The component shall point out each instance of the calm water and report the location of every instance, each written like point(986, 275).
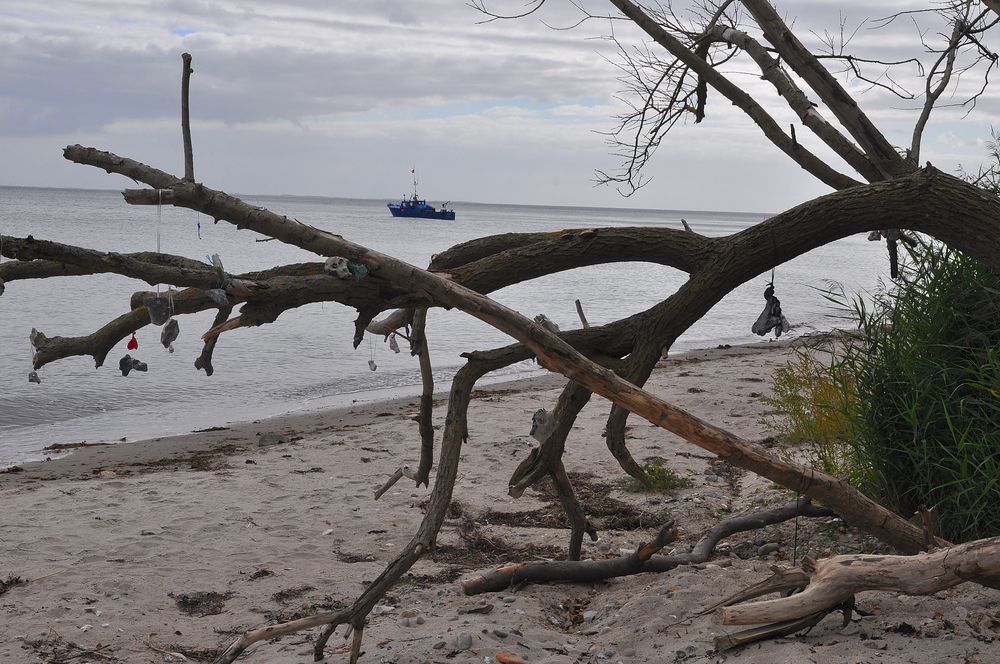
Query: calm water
point(305, 359)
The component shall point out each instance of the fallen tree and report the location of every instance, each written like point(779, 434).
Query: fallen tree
point(612, 360)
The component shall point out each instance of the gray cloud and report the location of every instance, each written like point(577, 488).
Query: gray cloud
point(253, 65)
point(358, 78)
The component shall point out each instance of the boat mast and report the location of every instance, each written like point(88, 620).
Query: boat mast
point(414, 172)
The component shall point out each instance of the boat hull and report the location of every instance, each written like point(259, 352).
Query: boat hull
point(417, 213)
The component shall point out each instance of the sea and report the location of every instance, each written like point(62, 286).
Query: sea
point(304, 360)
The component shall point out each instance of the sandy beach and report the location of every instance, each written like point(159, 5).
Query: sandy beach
point(165, 550)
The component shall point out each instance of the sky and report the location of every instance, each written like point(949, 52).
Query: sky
point(343, 97)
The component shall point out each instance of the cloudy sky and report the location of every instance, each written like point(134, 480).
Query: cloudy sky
point(343, 97)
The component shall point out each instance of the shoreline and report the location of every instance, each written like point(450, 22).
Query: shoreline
point(91, 454)
point(78, 461)
point(331, 403)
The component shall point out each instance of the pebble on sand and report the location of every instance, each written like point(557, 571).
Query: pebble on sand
point(463, 641)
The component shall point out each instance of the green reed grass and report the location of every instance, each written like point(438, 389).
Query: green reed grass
point(909, 408)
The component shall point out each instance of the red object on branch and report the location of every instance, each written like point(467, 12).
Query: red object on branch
point(133, 343)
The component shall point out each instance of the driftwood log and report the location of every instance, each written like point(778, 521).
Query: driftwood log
point(832, 581)
point(642, 560)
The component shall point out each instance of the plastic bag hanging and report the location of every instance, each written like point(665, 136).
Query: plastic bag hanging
point(169, 334)
point(133, 343)
point(771, 318)
point(159, 309)
point(393, 344)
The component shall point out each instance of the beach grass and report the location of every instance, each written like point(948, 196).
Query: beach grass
point(909, 407)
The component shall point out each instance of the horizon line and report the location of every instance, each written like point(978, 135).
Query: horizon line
point(452, 201)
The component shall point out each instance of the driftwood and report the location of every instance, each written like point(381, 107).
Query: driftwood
point(642, 560)
point(578, 570)
point(832, 581)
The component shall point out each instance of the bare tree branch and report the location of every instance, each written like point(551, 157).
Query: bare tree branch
point(843, 106)
point(738, 97)
point(797, 100)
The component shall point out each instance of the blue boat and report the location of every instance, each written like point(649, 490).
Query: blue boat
point(415, 207)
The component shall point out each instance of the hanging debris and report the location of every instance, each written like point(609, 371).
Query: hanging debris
point(169, 334)
point(159, 309)
point(33, 377)
point(133, 343)
point(771, 318)
point(128, 363)
point(372, 365)
point(218, 294)
point(393, 344)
